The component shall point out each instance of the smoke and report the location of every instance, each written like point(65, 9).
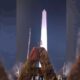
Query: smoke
point(67, 68)
point(15, 72)
point(17, 69)
point(10, 77)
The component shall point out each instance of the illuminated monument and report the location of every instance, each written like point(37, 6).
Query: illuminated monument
point(32, 70)
point(44, 30)
point(73, 24)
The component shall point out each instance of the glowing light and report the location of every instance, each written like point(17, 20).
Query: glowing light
point(44, 30)
point(67, 68)
point(17, 69)
point(38, 64)
point(29, 41)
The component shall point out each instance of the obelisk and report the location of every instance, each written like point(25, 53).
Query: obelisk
point(44, 30)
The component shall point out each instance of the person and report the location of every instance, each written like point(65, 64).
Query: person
point(75, 71)
point(3, 74)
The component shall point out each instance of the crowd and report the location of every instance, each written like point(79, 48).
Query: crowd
point(47, 69)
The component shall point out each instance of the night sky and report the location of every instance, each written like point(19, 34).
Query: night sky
point(56, 20)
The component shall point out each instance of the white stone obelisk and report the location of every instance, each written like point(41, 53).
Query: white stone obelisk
point(44, 30)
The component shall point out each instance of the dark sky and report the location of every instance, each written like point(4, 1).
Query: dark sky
point(56, 18)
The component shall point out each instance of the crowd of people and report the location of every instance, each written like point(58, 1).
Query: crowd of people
point(74, 73)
